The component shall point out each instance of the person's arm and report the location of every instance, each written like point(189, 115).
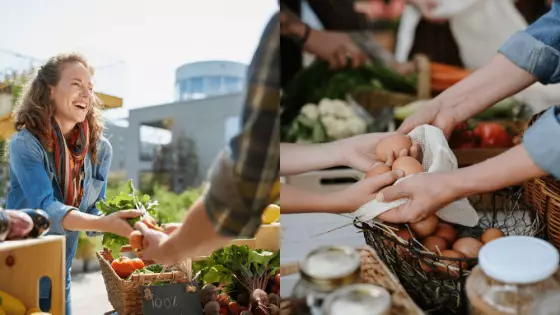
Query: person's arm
point(497, 80)
point(26, 163)
point(510, 168)
point(300, 158)
point(298, 200)
point(245, 172)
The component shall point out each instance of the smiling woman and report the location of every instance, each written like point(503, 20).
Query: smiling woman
point(59, 159)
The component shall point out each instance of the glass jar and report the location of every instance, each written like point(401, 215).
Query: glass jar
point(358, 299)
point(512, 273)
point(322, 271)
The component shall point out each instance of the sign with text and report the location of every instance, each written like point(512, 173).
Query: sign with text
point(171, 299)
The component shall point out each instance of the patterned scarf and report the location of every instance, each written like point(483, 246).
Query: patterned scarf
point(69, 156)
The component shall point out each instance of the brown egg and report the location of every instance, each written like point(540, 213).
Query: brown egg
point(435, 244)
point(392, 144)
point(378, 170)
point(402, 251)
point(404, 234)
point(447, 232)
point(408, 165)
point(491, 234)
point(468, 246)
point(425, 227)
point(450, 263)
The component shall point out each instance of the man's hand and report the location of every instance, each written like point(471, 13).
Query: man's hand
point(152, 245)
point(358, 152)
point(336, 48)
point(427, 193)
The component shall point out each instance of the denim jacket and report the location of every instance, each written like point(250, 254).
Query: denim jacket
point(537, 51)
point(33, 184)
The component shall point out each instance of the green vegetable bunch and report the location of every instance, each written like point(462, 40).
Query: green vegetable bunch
point(241, 268)
point(124, 201)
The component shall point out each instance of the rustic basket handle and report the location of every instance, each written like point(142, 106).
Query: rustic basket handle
point(553, 198)
point(424, 89)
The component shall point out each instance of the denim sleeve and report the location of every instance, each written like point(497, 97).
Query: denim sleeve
point(540, 141)
point(104, 172)
point(537, 49)
point(26, 163)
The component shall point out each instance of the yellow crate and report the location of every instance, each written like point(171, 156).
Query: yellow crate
point(33, 259)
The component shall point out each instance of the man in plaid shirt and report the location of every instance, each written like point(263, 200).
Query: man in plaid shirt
point(244, 179)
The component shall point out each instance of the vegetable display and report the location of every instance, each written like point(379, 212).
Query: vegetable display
point(326, 121)
point(125, 201)
point(318, 82)
point(249, 280)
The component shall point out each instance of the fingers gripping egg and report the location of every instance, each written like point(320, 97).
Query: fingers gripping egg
point(408, 165)
point(392, 145)
point(378, 170)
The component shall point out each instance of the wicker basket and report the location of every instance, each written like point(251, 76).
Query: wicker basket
point(544, 195)
point(373, 271)
point(375, 101)
point(124, 294)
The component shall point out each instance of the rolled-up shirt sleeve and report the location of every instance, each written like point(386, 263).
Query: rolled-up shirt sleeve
point(541, 140)
point(537, 49)
point(245, 172)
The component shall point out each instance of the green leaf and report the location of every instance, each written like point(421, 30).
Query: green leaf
point(218, 273)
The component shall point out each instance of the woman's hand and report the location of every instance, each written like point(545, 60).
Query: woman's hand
point(116, 222)
point(427, 193)
point(358, 152)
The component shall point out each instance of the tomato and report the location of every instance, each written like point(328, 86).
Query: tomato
point(493, 135)
point(463, 139)
point(137, 263)
point(136, 239)
point(224, 311)
point(123, 266)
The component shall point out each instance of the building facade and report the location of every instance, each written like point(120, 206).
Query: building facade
point(209, 78)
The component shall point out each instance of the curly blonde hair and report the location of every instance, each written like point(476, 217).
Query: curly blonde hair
point(34, 109)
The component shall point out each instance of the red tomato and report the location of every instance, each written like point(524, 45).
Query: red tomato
point(137, 263)
point(463, 139)
point(123, 267)
point(493, 135)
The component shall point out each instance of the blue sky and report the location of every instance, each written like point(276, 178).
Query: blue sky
point(136, 44)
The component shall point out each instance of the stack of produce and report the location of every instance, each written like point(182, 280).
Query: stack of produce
point(249, 281)
point(328, 121)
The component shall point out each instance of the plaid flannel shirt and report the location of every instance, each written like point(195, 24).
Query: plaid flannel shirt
point(244, 179)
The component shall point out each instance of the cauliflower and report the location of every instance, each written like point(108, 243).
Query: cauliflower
point(310, 111)
point(356, 125)
point(326, 107)
point(341, 109)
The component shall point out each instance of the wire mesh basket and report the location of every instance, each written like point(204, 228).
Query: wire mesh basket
point(435, 281)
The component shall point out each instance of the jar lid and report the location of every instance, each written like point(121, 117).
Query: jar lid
point(512, 259)
point(358, 299)
point(331, 266)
